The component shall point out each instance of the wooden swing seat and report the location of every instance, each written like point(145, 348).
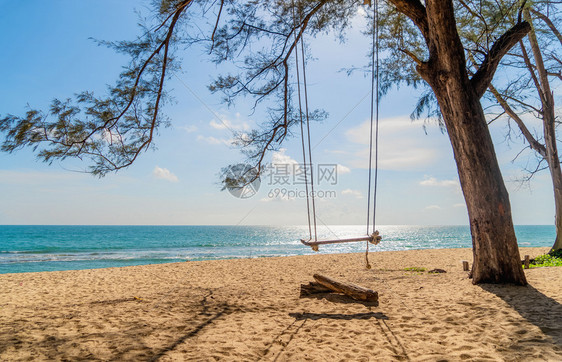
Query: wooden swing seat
point(374, 238)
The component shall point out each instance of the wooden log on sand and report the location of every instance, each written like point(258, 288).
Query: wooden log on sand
point(351, 290)
point(313, 288)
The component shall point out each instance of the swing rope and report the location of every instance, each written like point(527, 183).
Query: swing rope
point(374, 124)
point(372, 235)
point(308, 135)
point(303, 142)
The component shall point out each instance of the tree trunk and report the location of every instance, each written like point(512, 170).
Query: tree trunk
point(496, 254)
point(495, 250)
point(550, 154)
point(555, 173)
point(557, 181)
point(549, 128)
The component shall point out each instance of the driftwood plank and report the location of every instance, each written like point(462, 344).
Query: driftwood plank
point(352, 290)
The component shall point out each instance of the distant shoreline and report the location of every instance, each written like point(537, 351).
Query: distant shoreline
point(48, 248)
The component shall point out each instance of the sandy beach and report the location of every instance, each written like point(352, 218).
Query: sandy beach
point(250, 309)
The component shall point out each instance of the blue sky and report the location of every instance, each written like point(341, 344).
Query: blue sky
point(48, 54)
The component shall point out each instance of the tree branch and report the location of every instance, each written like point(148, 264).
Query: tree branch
point(539, 63)
point(485, 73)
point(531, 69)
point(411, 55)
point(415, 10)
point(557, 75)
point(549, 23)
point(216, 26)
point(535, 145)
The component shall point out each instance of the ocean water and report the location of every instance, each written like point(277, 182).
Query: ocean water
point(49, 248)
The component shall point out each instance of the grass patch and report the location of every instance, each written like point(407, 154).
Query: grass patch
point(551, 259)
point(415, 269)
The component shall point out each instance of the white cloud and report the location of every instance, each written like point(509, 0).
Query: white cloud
point(111, 137)
point(287, 165)
point(228, 124)
point(351, 192)
point(284, 162)
point(164, 174)
point(459, 205)
point(451, 185)
point(214, 141)
point(243, 136)
point(432, 181)
point(433, 207)
point(219, 125)
point(188, 128)
point(401, 145)
point(281, 158)
point(343, 169)
point(389, 126)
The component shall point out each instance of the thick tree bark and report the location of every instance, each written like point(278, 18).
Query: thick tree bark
point(496, 254)
point(495, 250)
point(549, 128)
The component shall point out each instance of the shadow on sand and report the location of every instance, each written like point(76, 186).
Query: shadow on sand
point(537, 308)
point(316, 316)
point(339, 298)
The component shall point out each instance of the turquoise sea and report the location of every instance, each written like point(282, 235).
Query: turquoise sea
point(48, 248)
